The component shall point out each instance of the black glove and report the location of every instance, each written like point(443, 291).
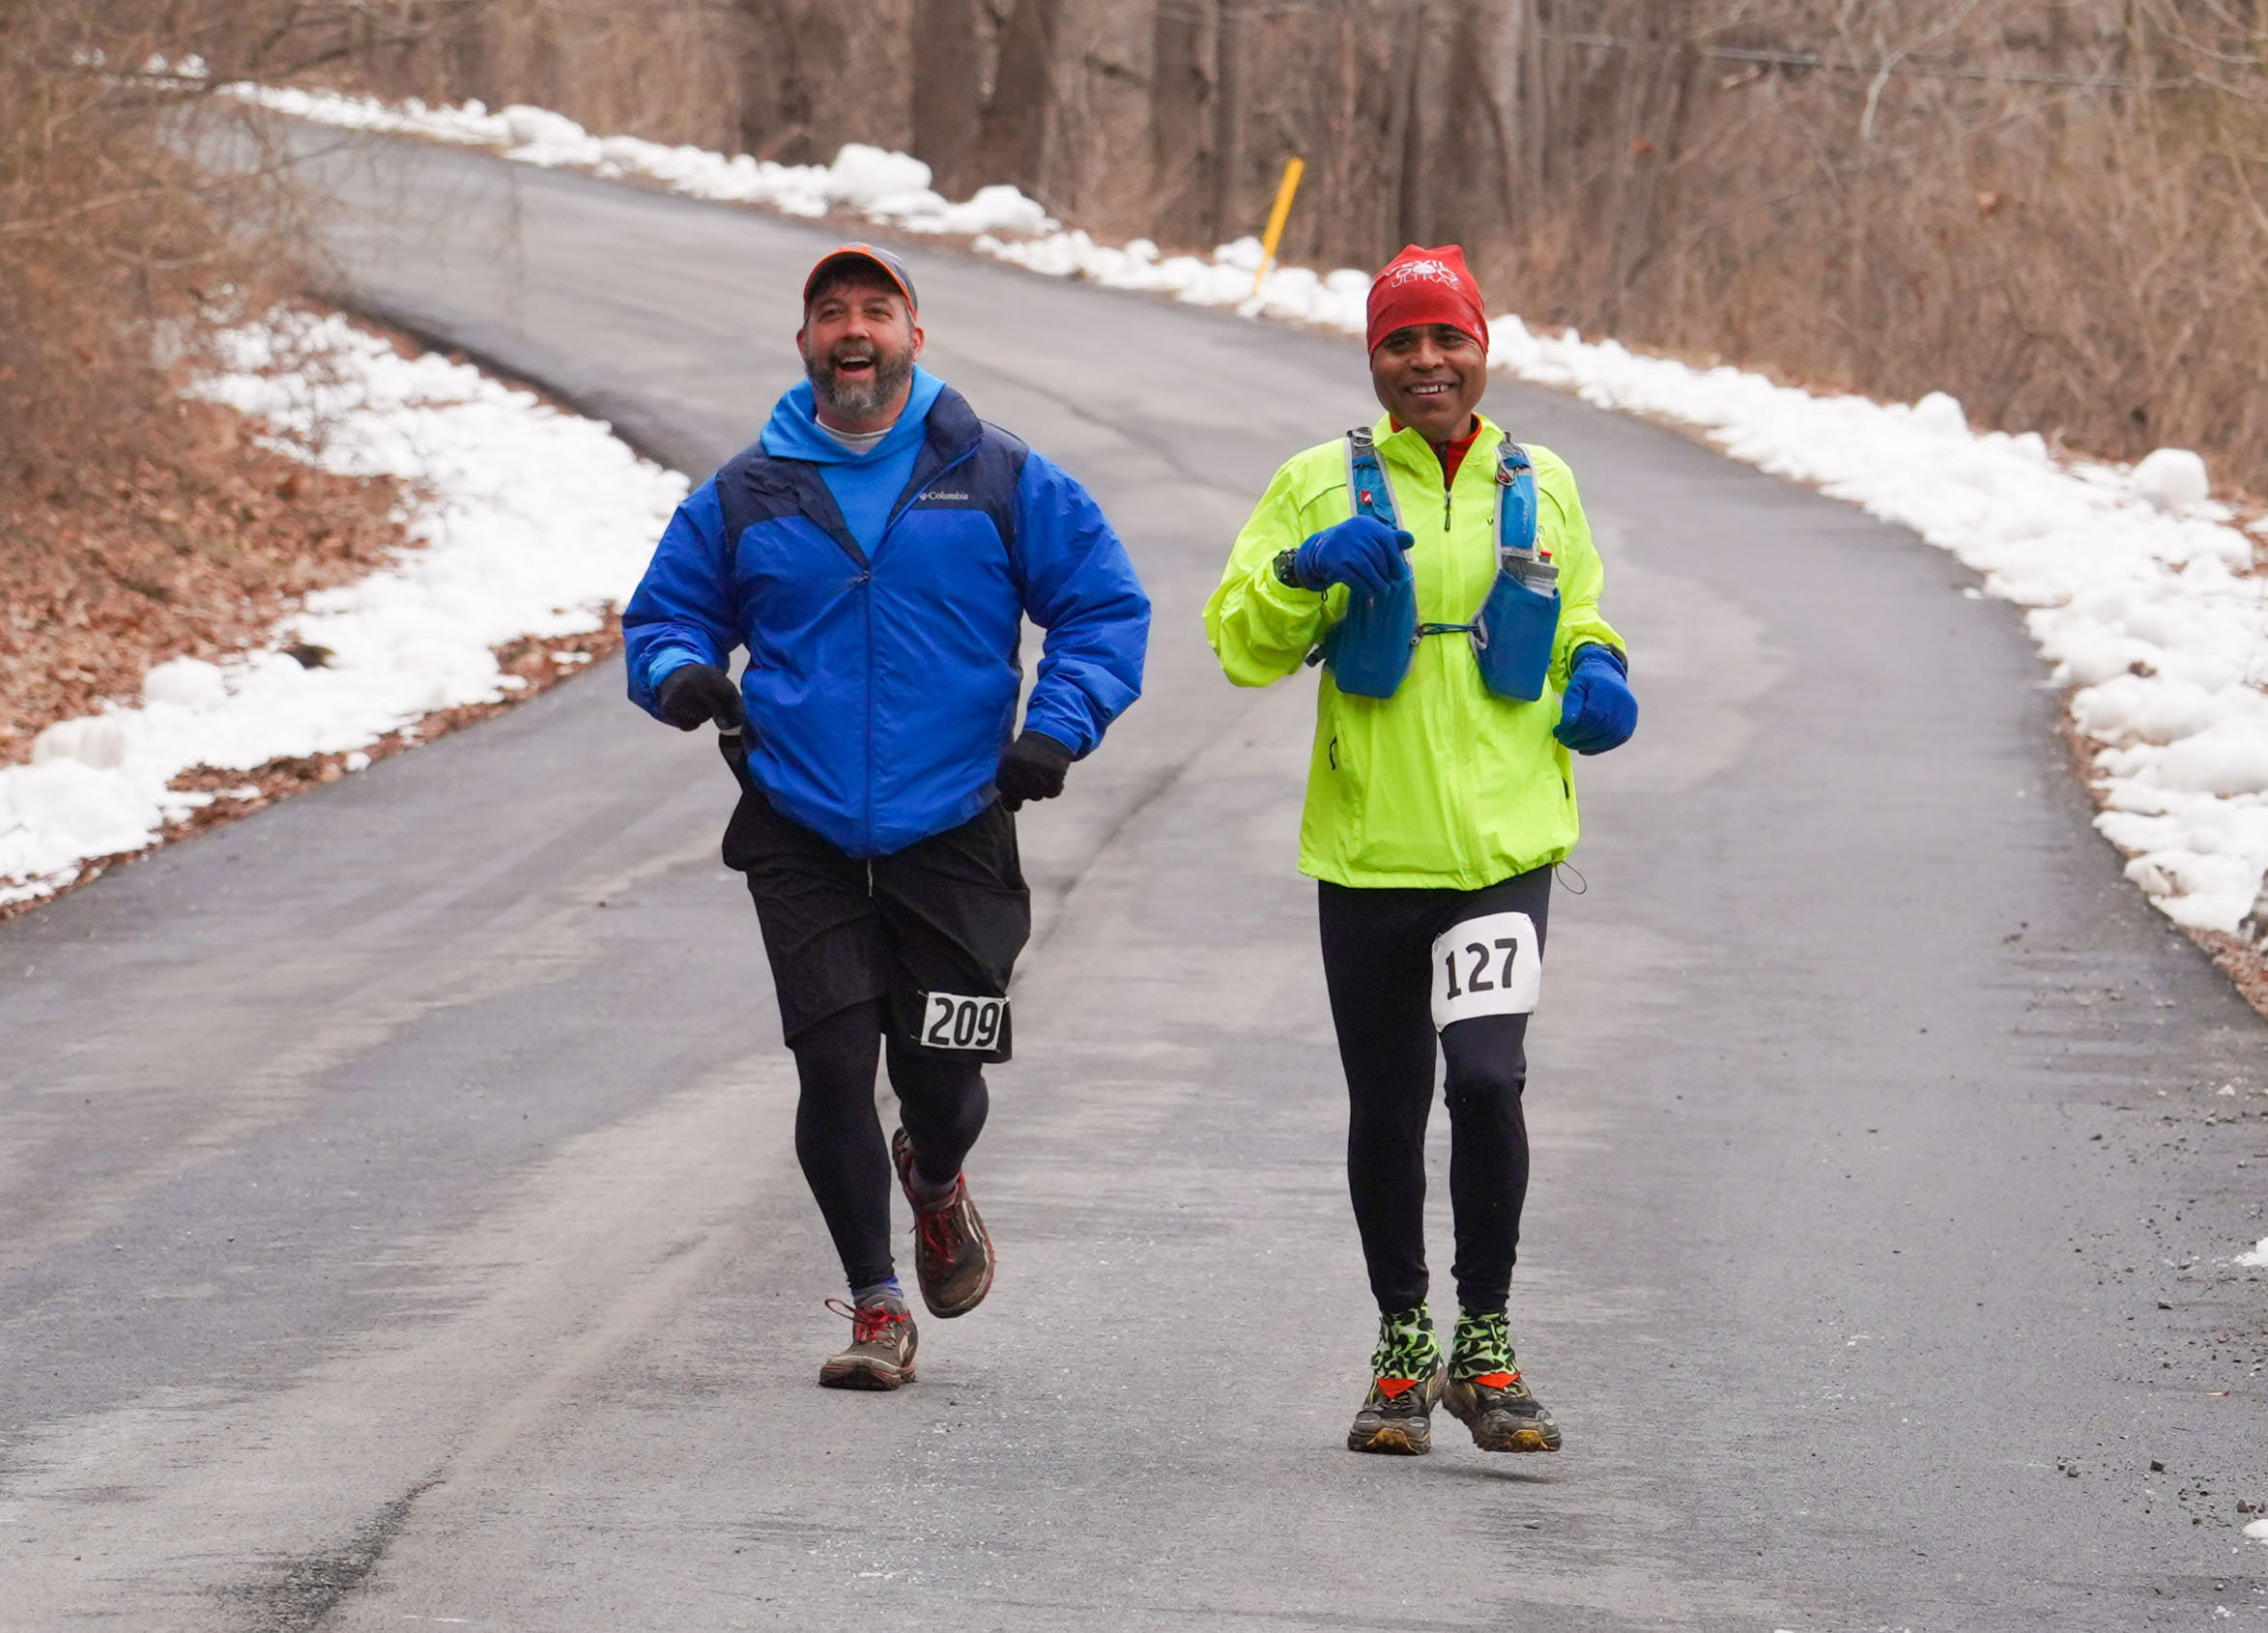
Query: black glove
point(693, 694)
point(1031, 767)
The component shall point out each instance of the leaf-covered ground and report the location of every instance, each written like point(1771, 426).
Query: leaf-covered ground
point(141, 562)
point(202, 556)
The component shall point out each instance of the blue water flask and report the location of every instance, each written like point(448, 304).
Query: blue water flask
point(1517, 627)
point(1369, 651)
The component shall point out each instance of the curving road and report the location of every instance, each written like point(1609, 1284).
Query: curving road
point(399, 1226)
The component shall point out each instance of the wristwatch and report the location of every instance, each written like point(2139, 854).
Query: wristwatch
point(1284, 573)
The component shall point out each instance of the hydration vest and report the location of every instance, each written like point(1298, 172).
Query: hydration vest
point(1512, 633)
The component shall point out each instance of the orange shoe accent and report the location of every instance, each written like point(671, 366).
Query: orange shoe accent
point(1393, 1388)
point(1497, 1380)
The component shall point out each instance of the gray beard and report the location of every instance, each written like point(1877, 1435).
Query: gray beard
point(842, 400)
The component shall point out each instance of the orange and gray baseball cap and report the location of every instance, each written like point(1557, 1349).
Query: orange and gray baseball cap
point(871, 255)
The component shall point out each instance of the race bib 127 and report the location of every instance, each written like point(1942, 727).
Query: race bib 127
point(951, 1021)
point(1488, 965)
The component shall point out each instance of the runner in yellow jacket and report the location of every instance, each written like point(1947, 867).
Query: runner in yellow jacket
point(1434, 815)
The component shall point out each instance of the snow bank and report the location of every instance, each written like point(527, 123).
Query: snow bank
point(532, 520)
point(2137, 585)
point(887, 188)
point(2133, 585)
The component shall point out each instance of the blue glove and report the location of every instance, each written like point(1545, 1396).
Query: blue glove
point(1596, 710)
point(1361, 552)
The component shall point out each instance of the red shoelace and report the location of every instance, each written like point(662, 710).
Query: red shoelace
point(935, 1225)
point(869, 1323)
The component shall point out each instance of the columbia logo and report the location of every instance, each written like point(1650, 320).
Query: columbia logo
point(933, 493)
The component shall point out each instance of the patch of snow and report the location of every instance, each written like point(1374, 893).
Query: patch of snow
point(2137, 585)
point(1941, 414)
point(2256, 1259)
point(93, 741)
point(188, 683)
point(861, 176)
point(2173, 479)
point(184, 71)
point(532, 519)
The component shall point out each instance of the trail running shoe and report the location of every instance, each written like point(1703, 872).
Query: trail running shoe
point(1405, 1386)
point(1484, 1390)
point(951, 1254)
point(880, 1356)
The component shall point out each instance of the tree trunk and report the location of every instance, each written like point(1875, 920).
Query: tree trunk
point(1013, 139)
point(1229, 147)
point(1183, 165)
point(775, 87)
point(947, 112)
point(1413, 219)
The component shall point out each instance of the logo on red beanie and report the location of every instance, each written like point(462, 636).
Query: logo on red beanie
point(1426, 286)
point(1426, 267)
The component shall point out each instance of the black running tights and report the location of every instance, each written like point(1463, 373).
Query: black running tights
point(839, 1134)
point(1377, 966)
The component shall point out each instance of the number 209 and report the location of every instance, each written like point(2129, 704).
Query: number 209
point(955, 1022)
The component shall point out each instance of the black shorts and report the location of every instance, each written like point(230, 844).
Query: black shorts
point(933, 929)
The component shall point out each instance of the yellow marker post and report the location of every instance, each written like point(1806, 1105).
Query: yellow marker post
point(1293, 170)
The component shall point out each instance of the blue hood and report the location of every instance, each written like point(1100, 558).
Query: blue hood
point(793, 432)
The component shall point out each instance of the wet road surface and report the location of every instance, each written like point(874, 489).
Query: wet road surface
point(400, 1225)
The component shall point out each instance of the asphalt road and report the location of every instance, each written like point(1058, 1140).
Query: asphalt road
point(399, 1223)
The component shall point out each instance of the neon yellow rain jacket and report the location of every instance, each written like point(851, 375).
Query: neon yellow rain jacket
point(1444, 784)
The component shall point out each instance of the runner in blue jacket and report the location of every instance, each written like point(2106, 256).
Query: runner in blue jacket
point(876, 552)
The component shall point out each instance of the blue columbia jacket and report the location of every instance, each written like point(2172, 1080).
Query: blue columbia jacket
point(883, 670)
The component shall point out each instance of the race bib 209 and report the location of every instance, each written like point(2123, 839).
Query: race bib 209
point(951, 1021)
point(1488, 965)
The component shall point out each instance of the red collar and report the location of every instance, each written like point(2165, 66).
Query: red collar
point(1454, 456)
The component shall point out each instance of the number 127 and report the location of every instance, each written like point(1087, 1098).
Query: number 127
point(1476, 980)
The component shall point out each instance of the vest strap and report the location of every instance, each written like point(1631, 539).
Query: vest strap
point(1368, 491)
point(1515, 502)
point(1505, 658)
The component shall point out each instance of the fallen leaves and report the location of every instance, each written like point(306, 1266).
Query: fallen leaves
point(141, 559)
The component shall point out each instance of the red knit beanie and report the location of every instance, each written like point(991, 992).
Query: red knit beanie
point(1422, 286)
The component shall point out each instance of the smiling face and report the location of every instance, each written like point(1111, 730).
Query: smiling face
point(1430, 377)
point(859, 342)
